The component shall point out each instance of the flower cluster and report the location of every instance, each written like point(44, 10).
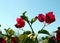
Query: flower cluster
point(48, 18)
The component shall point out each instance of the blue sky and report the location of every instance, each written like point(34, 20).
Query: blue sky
point(11, 9)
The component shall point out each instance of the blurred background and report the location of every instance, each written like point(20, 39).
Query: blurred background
point(11, 9)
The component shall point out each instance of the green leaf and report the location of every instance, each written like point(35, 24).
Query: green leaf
point(28, 40)
point(0, 32)
point(55, 31)
point(0, 25)
point(24, 13)
point(22, 37)
point(27, 32)
point(43, 38)
point(11, 32)
point(47, 37)
point(6, 30)
point(33, 20)
point(25, 17)
point(44, 32)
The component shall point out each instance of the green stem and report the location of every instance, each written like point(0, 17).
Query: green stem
point(44, 26)
point(33, 32)
point(31, 28)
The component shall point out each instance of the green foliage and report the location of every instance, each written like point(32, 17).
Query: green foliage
point(27, 32)
point(55, 31)
point(25, 39)
point(22, 37)
point(24, 13)
point(25, 17)
point(44, 32)
point(43, 38)
point(0, 32)
point(0, 25)
point(28, 40)
point(9, 31)
point(33, 20)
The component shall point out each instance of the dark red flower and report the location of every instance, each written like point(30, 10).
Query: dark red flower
point(50, 17)
point(20, 23)
point(2, 40)
point(41, 17)
point(52, 39)
point(58, 34)
point(13, 40)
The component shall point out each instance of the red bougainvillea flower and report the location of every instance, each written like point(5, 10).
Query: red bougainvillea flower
point(52, 39)
point(58, 34)
point(20, 23)
point(50, 17)
point(41, 17)
point(13, 40)
point(2, 40)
